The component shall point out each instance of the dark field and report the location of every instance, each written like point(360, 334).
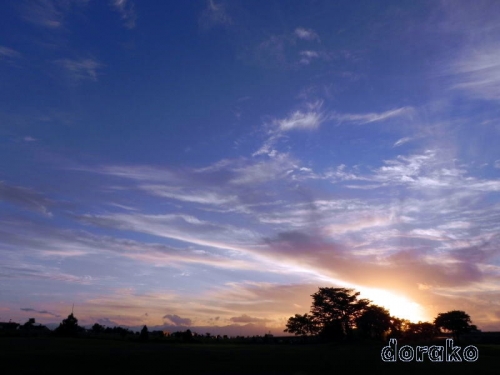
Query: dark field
point(87, 356)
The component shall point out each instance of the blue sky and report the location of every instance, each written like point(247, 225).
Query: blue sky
point(212, 163)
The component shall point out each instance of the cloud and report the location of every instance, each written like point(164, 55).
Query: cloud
point(366, 118)
point(300, 120)
point(267, 147)
point(306, 34)
point(80, 69)
point(180, 227)
point(276, 168)
point(27, 309)
point(433, 232)
point(214, 14)
point(225, 184)
point(407, 266)
point(8, 53)
point(46, 13)
point(280, 50)
point(402, 141)
point(137, 172)
point(177, 320)
point(44, 242)
point(308, 119)
point(185, 194)
point(308, 56)
point(37, 272)
point(497, 163)
point(478, 72)
point(474, 67)
point(126, 10)
point(25, 197)
point(313, 116)
point(107, 322)
point(273, 51)
point(428, 171)
point(29, 139)
point(248, 319)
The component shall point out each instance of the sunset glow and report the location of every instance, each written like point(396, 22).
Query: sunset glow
point(398, 306)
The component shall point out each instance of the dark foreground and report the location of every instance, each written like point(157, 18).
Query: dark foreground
point(87, 356)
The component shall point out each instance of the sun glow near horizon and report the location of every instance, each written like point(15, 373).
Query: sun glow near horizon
point(399, 306)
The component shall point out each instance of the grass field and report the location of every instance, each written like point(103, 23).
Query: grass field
point(86, 356)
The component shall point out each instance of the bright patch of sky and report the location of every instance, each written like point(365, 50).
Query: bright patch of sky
point(212, 163)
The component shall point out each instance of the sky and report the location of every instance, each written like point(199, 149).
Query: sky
point(211, 164)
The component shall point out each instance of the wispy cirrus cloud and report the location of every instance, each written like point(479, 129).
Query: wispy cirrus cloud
point(248, 319)
point(308, 56)
point(478, 72)
point(306, 34)
point(48, 13)
point(427, 170)
point(40, 242)
point(300, 120)
point(225, 183)
point(8, 53)
point(180, 227)
point(186, 194)
point(37, 272)
point(127, 12)
point(81, 69)
point(26, 198)
point(214, 14)
point(366, 118)
point(312, 116)
point(401, 141)
point(473, 67)
point(45, 13)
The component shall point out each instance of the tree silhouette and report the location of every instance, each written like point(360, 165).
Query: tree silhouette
point(30, 323)
point(144, 334)
point(456, 321)
point(421, 331)
point(97, 328)
point(374, 321)
point(333, 314)
point(302, 325)
point(188, 335)
point(68, 327)
point(336, 309)
point(398, 327)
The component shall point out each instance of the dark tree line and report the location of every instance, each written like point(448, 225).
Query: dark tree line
point(336, 313)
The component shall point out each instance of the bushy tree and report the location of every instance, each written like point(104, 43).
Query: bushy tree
point(456, 321)
point(333, 314)
point(302, 325)
point(398, 327)
point(337, 306)
point(374, 322)
point(421, 331)
point(188, 335)
point(97, 328)
point(144, 334)
point(68, 327)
